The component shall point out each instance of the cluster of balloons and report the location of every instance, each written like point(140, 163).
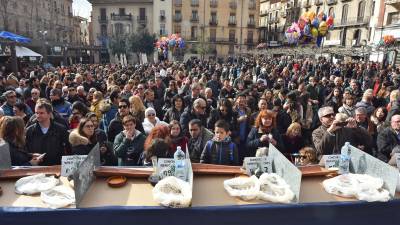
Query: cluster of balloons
point(310, 27)
point(387, 40)
point(172, 42)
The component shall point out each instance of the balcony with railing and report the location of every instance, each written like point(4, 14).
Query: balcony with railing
point(331, 2)
point(142, 19)
point(194, 3)
point(121, 17)
point(178, 18)
point(233, 4)
point(222, 40)
point(213, 4)
point(213, 22)
point(103, 19)
point(231, 22)
point(194, 19)
point(352, 21)
point(251, 23)
point(263, 13)
point(273, 20)
point(178, 3)
point(283, 14)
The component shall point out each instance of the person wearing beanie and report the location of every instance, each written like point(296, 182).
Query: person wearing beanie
point(151, 120)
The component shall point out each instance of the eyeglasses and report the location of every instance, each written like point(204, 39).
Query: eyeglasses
point(151, 114)
point(123, 106)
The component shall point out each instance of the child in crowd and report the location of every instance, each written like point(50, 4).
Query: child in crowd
point(221, 149)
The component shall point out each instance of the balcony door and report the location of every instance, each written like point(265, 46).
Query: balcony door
point(344, 13)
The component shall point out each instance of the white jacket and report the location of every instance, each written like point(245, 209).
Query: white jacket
point(148, 126)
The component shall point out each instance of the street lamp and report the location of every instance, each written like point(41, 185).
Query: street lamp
point(43, 34)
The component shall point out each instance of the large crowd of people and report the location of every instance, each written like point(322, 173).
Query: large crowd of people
point(220, 112)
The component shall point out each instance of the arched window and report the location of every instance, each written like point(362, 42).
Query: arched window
point(331, 12)
point(344, 13)
point(361, 10)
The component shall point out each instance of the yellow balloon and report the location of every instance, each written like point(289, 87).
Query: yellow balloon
point(311, 15)
point(323, 28)
point(314, 32)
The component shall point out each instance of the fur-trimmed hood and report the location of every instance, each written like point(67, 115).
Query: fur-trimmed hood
point(76, 139)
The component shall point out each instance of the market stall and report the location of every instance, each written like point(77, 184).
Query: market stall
point(133, 203)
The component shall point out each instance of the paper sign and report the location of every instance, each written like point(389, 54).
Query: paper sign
point(5, 157)
point(70, 163)
point(165, 167)
point(84, 176)
point(253, 163)
point(331, 161)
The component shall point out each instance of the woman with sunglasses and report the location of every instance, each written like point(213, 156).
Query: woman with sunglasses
point(151, 120)
point(83, 138)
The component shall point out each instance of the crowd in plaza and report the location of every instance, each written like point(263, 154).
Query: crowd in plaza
point(220, 112)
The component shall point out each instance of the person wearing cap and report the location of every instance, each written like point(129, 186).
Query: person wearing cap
point(59, 104)
point(332, 134)
point(151, 120)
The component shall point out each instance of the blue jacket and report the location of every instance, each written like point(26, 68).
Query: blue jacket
point(222, 153)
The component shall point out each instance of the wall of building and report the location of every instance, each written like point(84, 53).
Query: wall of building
point(166, 20)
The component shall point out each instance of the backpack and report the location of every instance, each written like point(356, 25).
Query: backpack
point(231, 149)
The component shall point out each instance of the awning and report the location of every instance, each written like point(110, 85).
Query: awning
point(26, 52)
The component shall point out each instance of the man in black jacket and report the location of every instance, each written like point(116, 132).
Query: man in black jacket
point(197, 111)
point(388, 139)
point(47, 136)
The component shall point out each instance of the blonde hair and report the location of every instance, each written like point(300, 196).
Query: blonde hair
point(136, 104)
point(394, 95)
point(294, 126)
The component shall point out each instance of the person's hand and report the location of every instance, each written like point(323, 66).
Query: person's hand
point(315, 101)
point(36, 159)
point(128, 134)
point(351, 123)
point(264, 138)
point(334, 127)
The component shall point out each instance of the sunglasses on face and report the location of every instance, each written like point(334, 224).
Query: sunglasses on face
point(151, 114)
point(123, 106)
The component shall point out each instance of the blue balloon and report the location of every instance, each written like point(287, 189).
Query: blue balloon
point(182, 44)
point(315, 23)
point(307, 30)
point(172, 42)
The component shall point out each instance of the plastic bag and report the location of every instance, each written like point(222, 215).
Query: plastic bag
point(35, 184)
point(173, 192)
point(361, 186)
point(58, 197)
point(274, 188)
point(246, 188)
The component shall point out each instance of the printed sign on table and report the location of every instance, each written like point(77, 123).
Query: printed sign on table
point(251, 164)
point(70, 163)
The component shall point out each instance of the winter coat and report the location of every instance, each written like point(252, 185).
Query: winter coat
point(254, 142)
point(394, 110)
point(19, 156)
point(387, 140)
point(196, 146)
point(293, 144)
point(222, 153)
point(215, 115)
point(186, 117)
point(95, 108)
point(116, 127)
point(179, 141)
point(129, 151)
point(327, 144)
point(54, 143)
point(348, 110)
point(172, 114)
point(62, 107)
point(148, 126)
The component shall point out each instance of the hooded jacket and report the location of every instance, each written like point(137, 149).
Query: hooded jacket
point(148, 126)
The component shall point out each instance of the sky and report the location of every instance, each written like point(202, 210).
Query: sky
point(82, 8)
